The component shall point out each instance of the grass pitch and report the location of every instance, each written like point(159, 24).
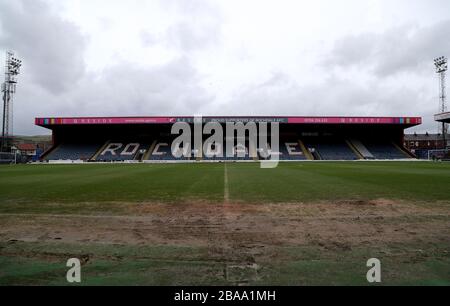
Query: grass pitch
point(220, 224)
point(290, 182)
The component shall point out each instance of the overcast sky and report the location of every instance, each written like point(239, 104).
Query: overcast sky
point(229, 57)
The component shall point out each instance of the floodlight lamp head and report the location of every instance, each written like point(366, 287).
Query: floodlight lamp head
point(14, 65)
point(441, 64)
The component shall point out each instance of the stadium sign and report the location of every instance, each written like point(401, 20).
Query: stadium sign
point(255, 133)
point(235, 119)
point(216, 145)
point(257, 119)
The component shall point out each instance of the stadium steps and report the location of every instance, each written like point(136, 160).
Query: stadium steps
point(140, 156)
point(305, 150)
point(316, 155)
point(47, 152)
point(102, 148)
point(362, 149)
point(150, 150)
point(354, 149)
point(137, 153)
point(404, 151)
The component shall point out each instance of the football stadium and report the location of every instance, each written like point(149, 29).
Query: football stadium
point(224, 151)
point(302, 138)
point(110, 192)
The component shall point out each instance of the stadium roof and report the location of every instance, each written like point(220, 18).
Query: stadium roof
point(58, 121)
point(26, 146)
point(443, 117)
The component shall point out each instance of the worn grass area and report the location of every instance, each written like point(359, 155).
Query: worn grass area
point(44, 264)
point(299, 224)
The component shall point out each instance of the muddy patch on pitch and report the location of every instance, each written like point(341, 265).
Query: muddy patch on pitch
point(240, 233)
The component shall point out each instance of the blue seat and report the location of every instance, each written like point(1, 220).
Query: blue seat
point(295, 153)
point(385, 150)
point(163, 151)
point(73, 152)
point(223, 154)
point(332, 150)
point(120, 154)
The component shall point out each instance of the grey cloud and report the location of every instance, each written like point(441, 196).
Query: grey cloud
point(187, 36)
point(124, 89)
point(192, 7)
point(121, 90)
point(51, 48)
point(199, 26)
point(280, 94)
point(352, 50)
point(175, 88)
point(402, 49)
point(148, 39)
point(54, 81)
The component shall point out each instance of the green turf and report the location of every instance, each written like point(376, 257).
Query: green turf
point(290, 182)
point(105, 189)
point(341, 180)
point(100, 183)
point(45, 264)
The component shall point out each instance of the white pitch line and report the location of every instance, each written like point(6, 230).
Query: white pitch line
point(226, 192)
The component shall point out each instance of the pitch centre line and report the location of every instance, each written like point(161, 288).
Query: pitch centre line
point(226, 192)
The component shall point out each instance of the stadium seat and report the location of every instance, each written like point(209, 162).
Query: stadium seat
point(288, 150)
point(68, 151)
point(291, 150)
point(221, 153)
point(163, 151)
point(385, 150)
point(122, 151)
point(331, 149)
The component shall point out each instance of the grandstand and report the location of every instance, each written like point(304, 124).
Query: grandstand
point(148, 139)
